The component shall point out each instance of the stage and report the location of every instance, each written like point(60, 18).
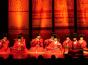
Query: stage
point(43, 17)
point(43, 55)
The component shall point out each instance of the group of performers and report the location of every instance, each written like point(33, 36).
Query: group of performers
point(46, 48)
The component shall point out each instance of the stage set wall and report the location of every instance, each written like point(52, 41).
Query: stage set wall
point(18, 18)
point(36, 16)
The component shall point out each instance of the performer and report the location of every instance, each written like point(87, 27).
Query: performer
point(19, 44)
point(48, 41)
point(55, 48)
point(82, 42)
point(37, 47)
point(4, 44)
point(38, 41)
point(4, 47)
point(67, 44)
point(75, 44)
point(19, 49)
point(75, 51)
point(83, 45)
point(54, 45)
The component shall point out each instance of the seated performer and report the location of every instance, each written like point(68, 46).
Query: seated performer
point(4, 44)
point(67, 44)
point(36, 46)
point(83, 45)
point(75, 51)
point(19, 44)
point(19, 49)
point(54, 48)
point(4, 47)
point(75, 44)
point(54, 45)
point(82, 42)
point(48, 41)
point(37, 42)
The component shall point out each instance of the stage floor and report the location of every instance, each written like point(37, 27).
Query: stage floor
point(37, 55)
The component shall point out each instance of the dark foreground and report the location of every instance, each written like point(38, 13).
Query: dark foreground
point(42, 61)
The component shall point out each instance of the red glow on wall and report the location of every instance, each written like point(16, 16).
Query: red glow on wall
point(18, 5)
point(18, 20)
point(42, 17)
point(42, 13)
point(61, 13)
point(82, 13)
point(64, 17)
point(18, 13)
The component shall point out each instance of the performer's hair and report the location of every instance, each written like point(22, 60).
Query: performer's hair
point(68, 35)
point(57, 38)
point(19, 36)
point(38, 34)
point(81, 35)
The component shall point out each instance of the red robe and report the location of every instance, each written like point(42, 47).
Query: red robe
point(55, 48)
point(67, 46)
point(5, 45)
point(53, 45)
point(20, 46)
point(75, 47)
point(83, 44)
point(35, 43)
point(4, 48)
point(47, 42)
point(19, 49)
point(36, 48)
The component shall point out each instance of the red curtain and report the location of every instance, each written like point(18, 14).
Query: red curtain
point(82, 10)
point(42, 17)
point(82, 17)
point(18, 17)
point(64, 17)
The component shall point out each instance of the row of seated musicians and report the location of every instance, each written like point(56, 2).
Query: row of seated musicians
point(48, 44)
point(52, 45)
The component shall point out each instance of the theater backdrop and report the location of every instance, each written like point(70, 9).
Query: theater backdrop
point(43, 16)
